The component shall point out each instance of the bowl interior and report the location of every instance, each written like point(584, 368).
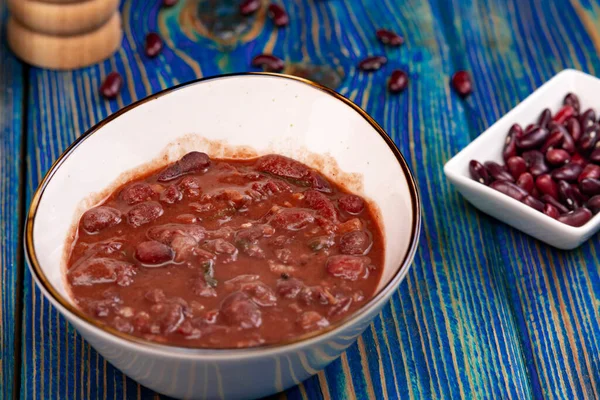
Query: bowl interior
point(263, 112)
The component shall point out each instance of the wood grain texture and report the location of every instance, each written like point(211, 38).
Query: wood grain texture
point(11, 103)
point(485, 311)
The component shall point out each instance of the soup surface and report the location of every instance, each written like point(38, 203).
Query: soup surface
point(226, 253)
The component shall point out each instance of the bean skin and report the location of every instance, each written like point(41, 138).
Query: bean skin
point(577, 217)
point(551, 211)
point(544, 118)
point(112, 85)
point(568, 196)
point(536, 162)
point(278, 15)
point(574, 128)
point(590, 186)
point(554, 140)
point(268, 62)
point(509, 189)
point(510, 145)
point(555, 203)
point(595, 156)
point(590, 137)
point(569, 172)
point(572, 100)
point(594, 204)
point(526, 182)
point(497, 172)
point(516, 166)
point(461, 81)
point(398, 81)
point(479, 172)
point(589, 171)
point(373, 63)
point(587, 119)
point(546, 185)
point(534, 203)
point(533, 139)
point(564, 114)
point(389, 38)
point(557, 157)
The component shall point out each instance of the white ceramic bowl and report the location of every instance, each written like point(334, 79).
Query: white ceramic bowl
point(489, 145)
point(268, 113)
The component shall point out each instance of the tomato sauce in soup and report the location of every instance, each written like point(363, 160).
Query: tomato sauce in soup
point(226, 253)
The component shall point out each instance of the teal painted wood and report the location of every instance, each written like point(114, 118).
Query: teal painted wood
point(11, 103)
point(485, 311)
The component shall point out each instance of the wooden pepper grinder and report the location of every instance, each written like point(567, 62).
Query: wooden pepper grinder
point(64, 34)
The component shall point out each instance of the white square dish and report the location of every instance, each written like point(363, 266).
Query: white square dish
point(489, 145)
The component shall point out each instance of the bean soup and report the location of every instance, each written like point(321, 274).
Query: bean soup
point(220, 253)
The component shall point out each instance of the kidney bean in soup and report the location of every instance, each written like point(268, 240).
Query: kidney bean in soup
point(226, 253)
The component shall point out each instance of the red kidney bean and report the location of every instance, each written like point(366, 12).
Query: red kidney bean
point(516, 130)
point(564, 114)
point(509, 189)
point(248, 7)
point(510, 145)
point(479, 172)
point(590, 137)
point(581, 198)
point(572, 100)
point(533, 203)
point(533, 139)
point(461, 81)
point(557, 157)
point(568, 195)
point(498, 172)
point(268, 62)
point(589, 171)
point(372, 63)
point(526, 182)
point(398, 81)
point(555, 203)
point(569, 172)
point(153, 44)
point(579, 160)
point(590, 186)
point(112, 85)
point(169, 3)
point(595, 156)
point(594, 204)
point(353, 204)
point(546, 185)
point(577, 217)
point(536, 162)
point(568, 144)
point(529, 128)
point(389, 38)
point(278, 15)
point(99, 218)
point(587, 119)
point(544, 118)
point(153, 253)
point(554, 140)
point(516, 166)
point(574, 128)
point(551, 211)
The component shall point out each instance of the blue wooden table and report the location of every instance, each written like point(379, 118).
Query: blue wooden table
point(486, 311)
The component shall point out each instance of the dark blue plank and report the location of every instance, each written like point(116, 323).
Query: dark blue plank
point(11, 104)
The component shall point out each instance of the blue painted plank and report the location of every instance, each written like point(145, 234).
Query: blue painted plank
point(11, 103)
